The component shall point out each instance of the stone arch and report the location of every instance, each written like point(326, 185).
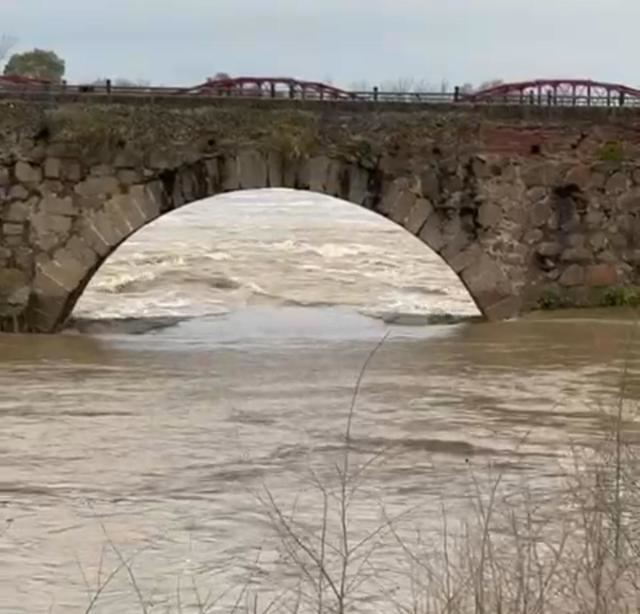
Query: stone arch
point(110, 204)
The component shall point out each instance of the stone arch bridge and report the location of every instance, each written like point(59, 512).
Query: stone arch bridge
point(526, 205)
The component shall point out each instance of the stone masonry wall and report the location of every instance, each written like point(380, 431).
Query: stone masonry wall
point(521, 204)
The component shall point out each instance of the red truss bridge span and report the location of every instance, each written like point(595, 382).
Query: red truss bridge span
point(540, 92)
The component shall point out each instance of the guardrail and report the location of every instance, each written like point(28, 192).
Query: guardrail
point(106, 92)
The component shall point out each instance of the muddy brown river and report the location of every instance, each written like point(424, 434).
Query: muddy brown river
point(215, 355)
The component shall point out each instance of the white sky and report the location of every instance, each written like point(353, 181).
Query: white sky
point(184, 41)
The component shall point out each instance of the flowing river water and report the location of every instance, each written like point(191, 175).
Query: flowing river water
point(216, 353)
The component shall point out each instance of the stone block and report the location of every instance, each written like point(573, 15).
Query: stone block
point(14, 291)
point(71, 271)
point(540, 213)
point(162, 159)
point(252, 170)
point(48, 231)
point(480, 168)
point(5, 176)
point(11, 279)
point(402, 207)
point(391, 194)
point(93, 237)
point(18, 192)
point(128, 159)
point(27, 173)
point(336, 185)
point(617, 183)
point(595, 218)
point(81, 251)
point(608, 257)
point(97, 186)
point(23, 257)
point(537, 194)
point(630, 201)
point(318, 173)
point(48, 281)
point(430, 184)
point(549, 249)
point(71, 170)
point(417, 216)
point(129, 176)
point(597, 181)
point(104, 228)
point(275, 169)
point(102, 170)
point(12, 229)
point(577, 254)
point(601, 275)
point(454, 245)
point(358, 179)
point(542, 174)
point(465, 258)
point(431, 233)
point(486, 282)
point(54, 205)
point(17, 212)
point(573, 275)
point(53, 168)
point(580, 176)
point(147, 198)
point(598, 241)
point(533, 236)
point(489, 215)
point(120, 222)
point(51, 187)
point(230, 178)
point(503, 309)
point(186, 187)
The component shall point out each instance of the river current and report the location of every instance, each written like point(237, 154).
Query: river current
point(215, 355)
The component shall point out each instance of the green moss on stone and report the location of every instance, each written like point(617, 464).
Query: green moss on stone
point(626, 296)
point(612, 151)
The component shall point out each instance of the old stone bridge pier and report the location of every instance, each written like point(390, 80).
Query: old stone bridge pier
point(522, 203)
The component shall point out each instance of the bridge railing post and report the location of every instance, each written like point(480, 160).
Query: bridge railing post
point(107, 84)
point(622, 99)
point(375, 93)
point(456, 93)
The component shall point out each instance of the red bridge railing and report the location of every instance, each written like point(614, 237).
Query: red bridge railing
point(549, 92)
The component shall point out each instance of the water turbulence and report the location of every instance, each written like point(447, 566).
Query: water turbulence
point(236, 251)
point(213, 359)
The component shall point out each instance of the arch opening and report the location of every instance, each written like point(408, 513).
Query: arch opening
point(423, 203)
point(258, 249)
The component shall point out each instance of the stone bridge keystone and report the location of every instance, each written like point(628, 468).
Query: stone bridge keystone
point(526, 206)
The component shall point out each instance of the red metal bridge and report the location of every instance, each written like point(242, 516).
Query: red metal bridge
point(541, 92)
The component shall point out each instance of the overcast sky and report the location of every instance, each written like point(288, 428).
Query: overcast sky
point(184, 41)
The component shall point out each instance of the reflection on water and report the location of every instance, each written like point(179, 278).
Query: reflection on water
point(162, 440)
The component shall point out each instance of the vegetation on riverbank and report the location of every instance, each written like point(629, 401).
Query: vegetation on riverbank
point(617, 296)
